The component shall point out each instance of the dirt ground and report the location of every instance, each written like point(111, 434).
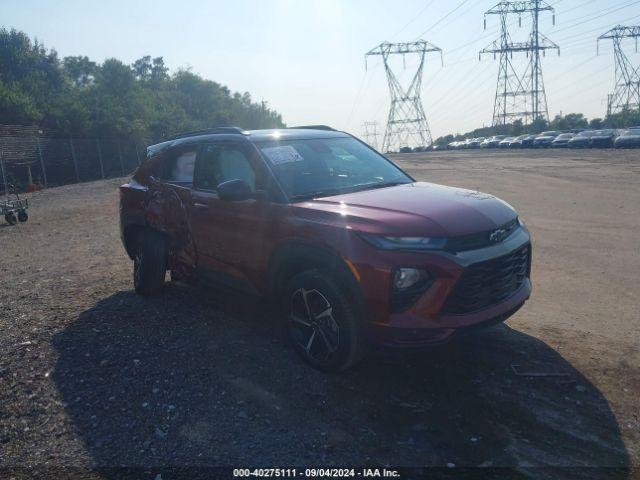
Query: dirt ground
point(94, 377)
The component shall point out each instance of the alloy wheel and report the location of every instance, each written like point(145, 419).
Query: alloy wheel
point(312, 325)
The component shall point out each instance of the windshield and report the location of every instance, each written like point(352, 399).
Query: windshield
point(328, 166)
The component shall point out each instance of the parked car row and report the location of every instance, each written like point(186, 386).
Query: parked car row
point(609, 138)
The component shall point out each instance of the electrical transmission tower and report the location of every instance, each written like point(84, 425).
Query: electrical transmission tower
point(370, 133)
point(407, 124)
point(520, 95)
point(626, 94)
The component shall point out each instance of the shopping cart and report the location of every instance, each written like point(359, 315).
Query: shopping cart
point(14, 211)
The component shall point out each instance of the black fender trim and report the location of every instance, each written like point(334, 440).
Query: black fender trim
point(298, 256)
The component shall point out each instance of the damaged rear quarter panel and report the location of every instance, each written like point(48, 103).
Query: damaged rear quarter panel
point(164, 208)
point(167, 210)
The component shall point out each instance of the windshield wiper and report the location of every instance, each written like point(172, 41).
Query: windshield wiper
point(340, 191)
point(318, 194)
point(373, 186)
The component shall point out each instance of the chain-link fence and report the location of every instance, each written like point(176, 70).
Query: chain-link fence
point(34, 161)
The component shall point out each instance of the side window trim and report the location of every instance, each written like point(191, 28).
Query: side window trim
point(171, 155)
point(256, 159)
point(199, 160)
point(242, 147)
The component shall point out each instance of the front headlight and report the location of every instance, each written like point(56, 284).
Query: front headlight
point(404, 278)
point(405, 243)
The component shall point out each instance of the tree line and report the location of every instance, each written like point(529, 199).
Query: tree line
point(142, 101)
point(560, 122)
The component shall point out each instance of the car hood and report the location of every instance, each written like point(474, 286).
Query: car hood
point(415, 209)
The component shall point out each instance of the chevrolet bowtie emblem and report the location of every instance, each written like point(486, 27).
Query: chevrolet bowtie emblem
point(497, 235)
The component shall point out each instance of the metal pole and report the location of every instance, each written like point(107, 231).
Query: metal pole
point(75, 162)
point(4, 176)
point(536, 62)
point(44, 171)
point(100, 157)
point(137, 153)
point(120, 155)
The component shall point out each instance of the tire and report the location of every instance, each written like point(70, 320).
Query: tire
point(321, 322)
point(11, 218)
point(23, 216)
point(150, 263)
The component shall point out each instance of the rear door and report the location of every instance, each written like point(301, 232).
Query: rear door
point(229, 236)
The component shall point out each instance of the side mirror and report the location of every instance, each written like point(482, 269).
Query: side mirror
point(234, 191)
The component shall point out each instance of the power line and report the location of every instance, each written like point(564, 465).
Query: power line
point(460, 5)
point(590, 18)
point(415, 17)
point(355, 101)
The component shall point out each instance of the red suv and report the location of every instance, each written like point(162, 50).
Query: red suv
point(354, 250)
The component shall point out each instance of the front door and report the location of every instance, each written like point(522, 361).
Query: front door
point(229, 236)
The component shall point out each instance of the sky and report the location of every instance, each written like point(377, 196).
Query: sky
point(306, 57)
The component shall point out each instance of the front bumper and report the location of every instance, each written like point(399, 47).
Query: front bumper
point(427, 321)
point(451, 325)
point(624, 143)
point(578, 144)
point(601, 142)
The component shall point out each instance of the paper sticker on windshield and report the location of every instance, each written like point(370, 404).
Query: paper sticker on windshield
point(283, 154)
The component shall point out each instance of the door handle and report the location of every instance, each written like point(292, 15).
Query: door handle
point(201, 206)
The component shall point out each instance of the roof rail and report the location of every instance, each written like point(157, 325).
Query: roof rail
point(313, 127)
point(208, 131)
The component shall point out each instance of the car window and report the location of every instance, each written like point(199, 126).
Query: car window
point(177, 167)
point(219, 163)
point(324, 166)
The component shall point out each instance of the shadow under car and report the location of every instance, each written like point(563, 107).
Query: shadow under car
point(196, 378)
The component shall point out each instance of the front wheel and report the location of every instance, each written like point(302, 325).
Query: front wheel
point(322, 322)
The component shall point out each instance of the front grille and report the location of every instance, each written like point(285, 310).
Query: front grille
point(480, 240)
point(487, 283)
